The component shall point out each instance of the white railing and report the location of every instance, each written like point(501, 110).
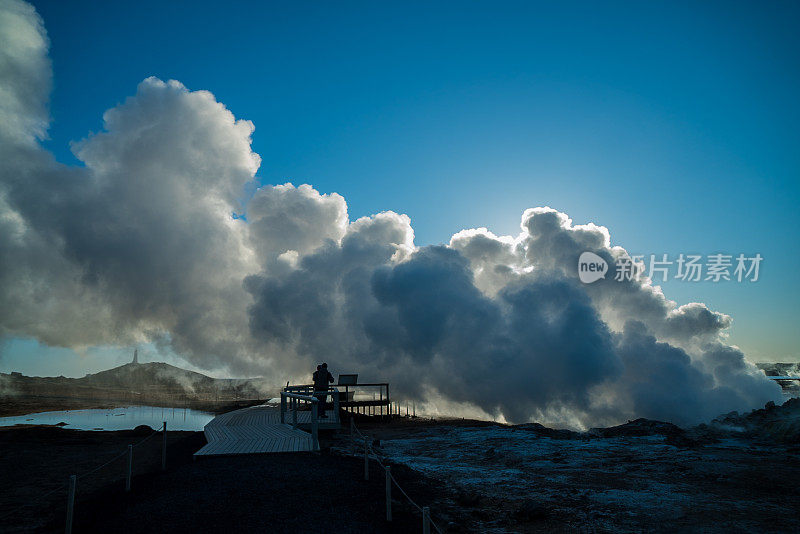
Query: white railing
point(303, 394)
point(294, 399)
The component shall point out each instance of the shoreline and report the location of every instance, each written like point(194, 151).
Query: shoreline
point(20, 405)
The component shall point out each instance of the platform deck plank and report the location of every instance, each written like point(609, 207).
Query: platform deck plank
point(258, 430)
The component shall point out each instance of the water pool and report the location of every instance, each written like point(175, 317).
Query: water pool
point(116, 418)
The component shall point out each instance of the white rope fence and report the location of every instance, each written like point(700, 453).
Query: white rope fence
point(71, 483)
point(424, 510)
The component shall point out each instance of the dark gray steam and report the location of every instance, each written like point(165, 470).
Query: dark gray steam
point(140, 245)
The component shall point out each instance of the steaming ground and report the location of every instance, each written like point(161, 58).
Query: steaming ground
point(735, 473)
point(518, 481)
point(149, 241)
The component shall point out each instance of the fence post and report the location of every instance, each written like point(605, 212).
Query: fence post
point(164, 449)
point(73, 480)
point(388, 493)
point(315, 426)
point(426, 520)
point(366, 460)
point(130, 466)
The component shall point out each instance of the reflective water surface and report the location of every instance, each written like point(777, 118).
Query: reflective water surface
point(117, 418)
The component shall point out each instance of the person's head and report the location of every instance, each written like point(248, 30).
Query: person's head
point(319, 367)
point(324, 365)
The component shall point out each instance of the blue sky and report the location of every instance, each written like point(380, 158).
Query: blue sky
point(674, 124)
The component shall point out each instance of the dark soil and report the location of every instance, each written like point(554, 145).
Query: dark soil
point(292, 492)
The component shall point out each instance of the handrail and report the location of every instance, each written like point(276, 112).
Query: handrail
point(314, 414)
point(308, 398)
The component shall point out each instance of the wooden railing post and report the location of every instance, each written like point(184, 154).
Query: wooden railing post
point(315, 425)
point(73, 481)
point(294, 413)
point(388, 493)
point(283, 408)
point(336, 404)
point(426, 520)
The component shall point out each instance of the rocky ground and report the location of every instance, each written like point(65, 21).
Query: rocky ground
point(739, 473)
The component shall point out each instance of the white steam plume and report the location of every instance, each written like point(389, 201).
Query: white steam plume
point(141, 244)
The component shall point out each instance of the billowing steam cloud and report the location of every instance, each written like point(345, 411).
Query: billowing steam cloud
point(141, 244)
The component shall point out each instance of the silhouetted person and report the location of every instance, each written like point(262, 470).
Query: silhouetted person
point(321, 380)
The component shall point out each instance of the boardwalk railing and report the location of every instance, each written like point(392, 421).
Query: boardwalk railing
point(293, 399)
point(302, 394)
point(367, 398)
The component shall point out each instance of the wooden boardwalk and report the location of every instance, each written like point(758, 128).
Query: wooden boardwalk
point(258, 430)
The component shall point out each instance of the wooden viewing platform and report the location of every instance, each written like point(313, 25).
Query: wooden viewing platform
point(267, 429)
point(258, 430)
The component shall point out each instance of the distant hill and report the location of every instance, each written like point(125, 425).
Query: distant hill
point(137, 381)
point(143, 375)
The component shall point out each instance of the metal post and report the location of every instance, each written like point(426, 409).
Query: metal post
point(315, 426)
point(73, 481)
point(366, 460)
point(426, 520)
point(130, 467)
point(388, 493)
point(164, 449)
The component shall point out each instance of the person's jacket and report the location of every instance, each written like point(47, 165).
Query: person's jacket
point(321, 379)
